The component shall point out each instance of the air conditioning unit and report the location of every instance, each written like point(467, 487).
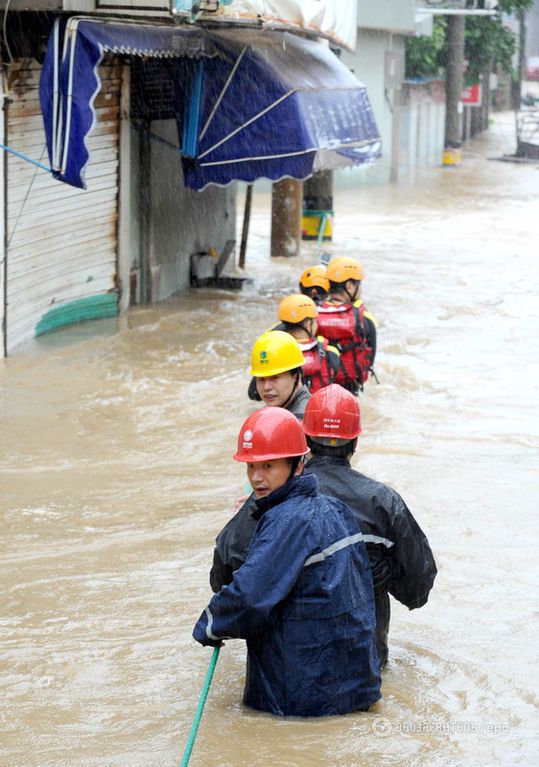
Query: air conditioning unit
point(196, 6)
point(447, 3)
point(468, 5)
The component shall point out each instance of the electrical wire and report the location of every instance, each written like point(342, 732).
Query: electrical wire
point(4, 28)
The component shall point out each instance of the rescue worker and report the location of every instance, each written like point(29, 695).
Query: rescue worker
point(298, 314)
point(303, 599)
point(401, 559)
point(345, 322)
point(276, 362)
point(314, 283)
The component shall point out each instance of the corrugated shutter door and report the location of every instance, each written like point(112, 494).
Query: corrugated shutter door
point(61, 259)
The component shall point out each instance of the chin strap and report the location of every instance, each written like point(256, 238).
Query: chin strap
point(294, 387)
point(352, 298)
point(296, 460)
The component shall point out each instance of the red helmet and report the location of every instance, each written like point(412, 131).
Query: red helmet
point(332, 413)
point(269, 433)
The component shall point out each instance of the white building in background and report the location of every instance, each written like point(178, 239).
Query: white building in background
point(410, 115)
point(532, 30)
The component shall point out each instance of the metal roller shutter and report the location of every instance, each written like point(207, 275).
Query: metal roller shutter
point(62, 242)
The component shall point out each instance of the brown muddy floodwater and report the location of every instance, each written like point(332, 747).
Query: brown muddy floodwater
point(117, 473)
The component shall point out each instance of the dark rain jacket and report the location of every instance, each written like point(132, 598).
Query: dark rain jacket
point(399, 552)
point(402, 562)
point(299, 403)
point(304, 602)
point(296, 406)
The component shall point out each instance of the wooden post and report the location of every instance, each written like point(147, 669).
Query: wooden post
point(286, 208)
point(454, 80)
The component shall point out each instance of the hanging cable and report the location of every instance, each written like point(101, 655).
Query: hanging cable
point(4, 28)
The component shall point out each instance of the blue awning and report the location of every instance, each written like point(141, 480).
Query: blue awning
point(249, 104)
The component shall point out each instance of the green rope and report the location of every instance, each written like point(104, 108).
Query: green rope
point(200, 708)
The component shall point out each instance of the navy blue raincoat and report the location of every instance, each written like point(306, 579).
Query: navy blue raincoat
point(304, 602)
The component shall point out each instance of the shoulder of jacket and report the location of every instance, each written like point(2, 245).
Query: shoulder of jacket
point(369, 316)
point(275, 326)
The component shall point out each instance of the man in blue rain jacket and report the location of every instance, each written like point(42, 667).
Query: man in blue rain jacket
point(303, 599)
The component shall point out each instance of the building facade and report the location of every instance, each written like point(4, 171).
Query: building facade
point(70, 254)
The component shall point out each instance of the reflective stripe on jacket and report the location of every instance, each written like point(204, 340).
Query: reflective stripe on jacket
point(304, 602)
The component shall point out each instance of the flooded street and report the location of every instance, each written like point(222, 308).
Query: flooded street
point(116, 474)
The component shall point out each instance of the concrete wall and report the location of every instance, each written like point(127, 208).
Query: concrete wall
point(532, 30)
point(128, 202)
point(183, 221)
point(368, 64)
point(422, 125)
point(389, 15)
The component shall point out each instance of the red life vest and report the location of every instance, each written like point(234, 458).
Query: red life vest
point(316, 371)
point(344, 326)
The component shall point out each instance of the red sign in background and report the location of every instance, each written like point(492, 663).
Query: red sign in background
point(471, 96)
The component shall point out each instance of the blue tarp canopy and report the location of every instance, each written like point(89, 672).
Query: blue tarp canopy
point(248, 104)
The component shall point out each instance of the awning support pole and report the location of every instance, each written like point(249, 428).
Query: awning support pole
point(246, 222)
point(192, 114)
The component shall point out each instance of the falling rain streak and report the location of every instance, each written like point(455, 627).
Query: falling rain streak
point(117, 474)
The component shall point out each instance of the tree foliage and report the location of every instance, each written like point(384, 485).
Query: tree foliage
point(510, 6)
point(423, 54)
point(486, 39)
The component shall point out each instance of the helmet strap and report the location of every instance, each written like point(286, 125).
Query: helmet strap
point(294, 387)
point(296, 460)
point(303, 325)
point(352, 298)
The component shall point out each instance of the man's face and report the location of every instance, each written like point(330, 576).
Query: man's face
point(275, 390)
point(267, 476)
point(353, 288)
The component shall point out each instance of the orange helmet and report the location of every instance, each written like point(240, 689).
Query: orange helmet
point(270, 433)
point(315, 277)
point(344, 268)
point(332, 416)
point(296, 308)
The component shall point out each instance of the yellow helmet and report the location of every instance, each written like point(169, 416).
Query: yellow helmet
point(296, 308)
point(344, 268)
point(273, 353)
point(315, 277)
